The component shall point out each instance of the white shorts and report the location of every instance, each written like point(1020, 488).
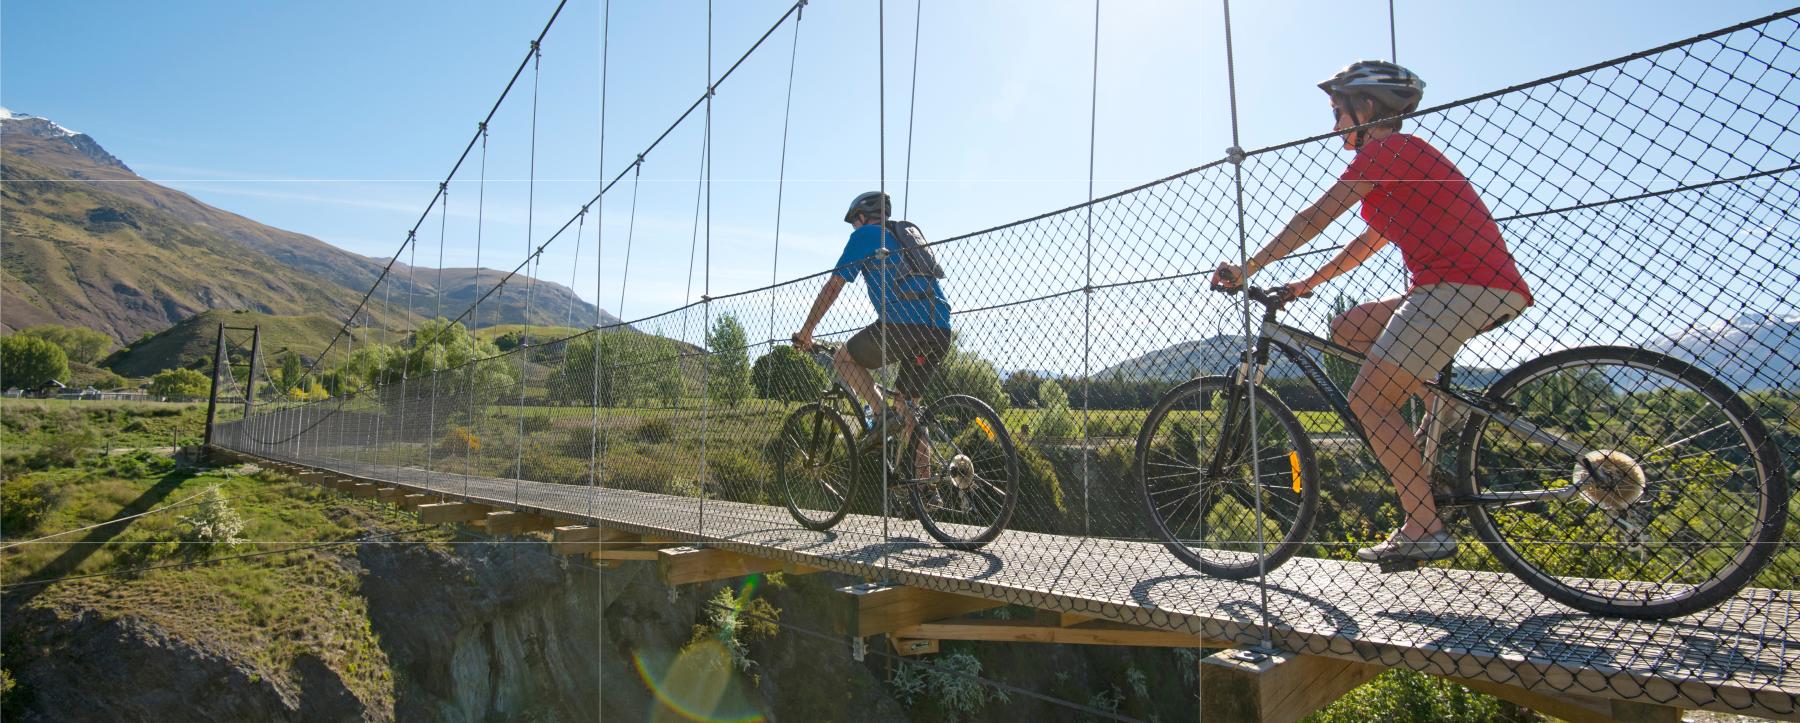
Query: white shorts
point(1434, 321)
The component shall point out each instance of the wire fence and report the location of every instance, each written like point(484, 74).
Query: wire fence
point(1615, 461)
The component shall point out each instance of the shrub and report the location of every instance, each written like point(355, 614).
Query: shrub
point(29, 362)
point(23, 502)
point(214, 522)
point(654, 431)
point(136, 464)
point(183, 383)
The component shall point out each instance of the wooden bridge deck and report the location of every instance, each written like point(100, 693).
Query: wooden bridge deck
point(1742, 656)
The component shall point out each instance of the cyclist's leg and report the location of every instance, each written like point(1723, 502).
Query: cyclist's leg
point(1422, 336)
point(855, 359)
point(1360, 325)
point(923, 348)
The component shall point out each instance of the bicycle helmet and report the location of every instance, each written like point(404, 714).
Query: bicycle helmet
point(1388, 84)
point(870, 202)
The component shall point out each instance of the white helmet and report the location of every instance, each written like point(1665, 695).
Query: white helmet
point(1390, 85)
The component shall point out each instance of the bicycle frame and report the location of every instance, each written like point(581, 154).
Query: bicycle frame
point(1290, 341)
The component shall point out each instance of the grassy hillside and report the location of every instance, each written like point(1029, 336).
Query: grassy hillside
point(196, 337)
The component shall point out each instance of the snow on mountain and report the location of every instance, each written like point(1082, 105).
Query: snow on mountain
point(49, 130)
point(1753, 351)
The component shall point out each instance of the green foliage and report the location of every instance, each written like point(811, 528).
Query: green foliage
point(785, 374)
point(28, 362)
point(734, 620)
point(136, 464)
point(1403, 696)
point(634, 367)
point(180, 384)
point(23, 502)
point(727, 362)
point(658, 430)
point(79, 344)
point(1340, 371)
point(1057, 421)
point(1021, 389)
point(965, 372)
point(952, 682)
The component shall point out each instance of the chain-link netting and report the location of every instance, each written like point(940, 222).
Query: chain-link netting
point(1611, 455)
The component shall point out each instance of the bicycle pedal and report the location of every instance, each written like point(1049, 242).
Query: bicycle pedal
point(1400, 565)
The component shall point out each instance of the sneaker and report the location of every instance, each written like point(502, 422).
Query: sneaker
point(1435, 546)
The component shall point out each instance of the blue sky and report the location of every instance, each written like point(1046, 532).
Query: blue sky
point(337, 119)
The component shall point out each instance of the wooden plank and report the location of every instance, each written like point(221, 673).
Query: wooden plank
point(391, 495)
point(1274, 687)
point(877, 608)
point(684, 565)
point(509, 522)
point(621, 553)
point(1577, 708)
point(364, 489)
point(905, 646)
point(452, 512)
point(1033, 631)
point(414, 501)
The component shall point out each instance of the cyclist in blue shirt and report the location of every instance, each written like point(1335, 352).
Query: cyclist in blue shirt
point(913, 324)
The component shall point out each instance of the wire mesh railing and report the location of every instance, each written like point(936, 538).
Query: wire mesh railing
point(1649, 203)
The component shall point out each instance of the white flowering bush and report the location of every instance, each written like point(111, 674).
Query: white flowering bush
point(213, 521)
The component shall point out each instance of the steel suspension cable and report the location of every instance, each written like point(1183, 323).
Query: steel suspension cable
point(912, 104)
point(1087, 297)
point(523, 349)
point(437, 315)
point(706, 281)
point(594, 470)
point(1236, 156)
point(787, 114)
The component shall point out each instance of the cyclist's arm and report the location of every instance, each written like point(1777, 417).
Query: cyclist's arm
point(827, 296)
point(1350, 257)
point(1310, 222)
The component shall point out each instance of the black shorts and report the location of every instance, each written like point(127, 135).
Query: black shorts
point(918, 348)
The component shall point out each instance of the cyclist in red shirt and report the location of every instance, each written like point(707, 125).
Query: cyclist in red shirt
point(1464, 281)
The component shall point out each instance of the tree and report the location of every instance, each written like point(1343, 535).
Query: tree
point(727, 362)
point(28, 362)
point(292, 368)
point(1056, 421)
point(965, 372)
point(79, 344)
point(1021, 388)
point(180, 383)
point(785, 374)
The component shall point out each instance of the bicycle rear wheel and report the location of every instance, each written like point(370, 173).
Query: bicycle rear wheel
point(815, 465)
point(972, 487)
point(1226, 521)
point(1681, 498)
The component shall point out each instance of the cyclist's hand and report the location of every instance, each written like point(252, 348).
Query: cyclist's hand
point(803, 340)
point(1227, 277)
point(1294, 290)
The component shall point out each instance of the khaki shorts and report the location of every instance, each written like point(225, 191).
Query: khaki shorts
point(1434, 321)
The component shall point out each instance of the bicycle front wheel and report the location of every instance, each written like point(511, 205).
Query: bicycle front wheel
point(1668, 498)
point(1213, 512)
point(815, 465)
point(972, 472)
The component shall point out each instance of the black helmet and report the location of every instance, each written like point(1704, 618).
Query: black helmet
point(871, 202)
point(1390, 85)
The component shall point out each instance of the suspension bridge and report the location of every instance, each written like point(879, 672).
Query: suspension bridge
point(1652, 192)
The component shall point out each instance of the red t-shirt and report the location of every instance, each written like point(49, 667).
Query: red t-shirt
point(1427, 208)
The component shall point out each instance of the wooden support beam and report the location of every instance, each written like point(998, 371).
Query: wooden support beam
point(877, 608)
point(684, 565)
point(1101, 632)
point(575, 540)
point(391, 495)
point(1577, 708)
point(907, 646)
point(1274, 687)
point(509, 522)
point(626, 553)
point(414, 501)
point(453, 512)
point(364, 489)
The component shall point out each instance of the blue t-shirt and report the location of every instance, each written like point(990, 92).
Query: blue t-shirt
point(913, 300)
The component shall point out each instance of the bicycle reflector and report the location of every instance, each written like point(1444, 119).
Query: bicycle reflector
point(1294, 468)
point(985, 429)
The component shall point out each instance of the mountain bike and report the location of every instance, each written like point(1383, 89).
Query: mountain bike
point(964, 499)
point(1615, 480)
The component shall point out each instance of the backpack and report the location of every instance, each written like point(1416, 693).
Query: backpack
point(916, 258)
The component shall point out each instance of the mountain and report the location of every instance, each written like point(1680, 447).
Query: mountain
point(90, 242)
point(1752, 351)
point(196, 338)
point(1212, 355)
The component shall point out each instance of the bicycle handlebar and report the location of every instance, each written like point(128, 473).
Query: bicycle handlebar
point(1273, 298)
